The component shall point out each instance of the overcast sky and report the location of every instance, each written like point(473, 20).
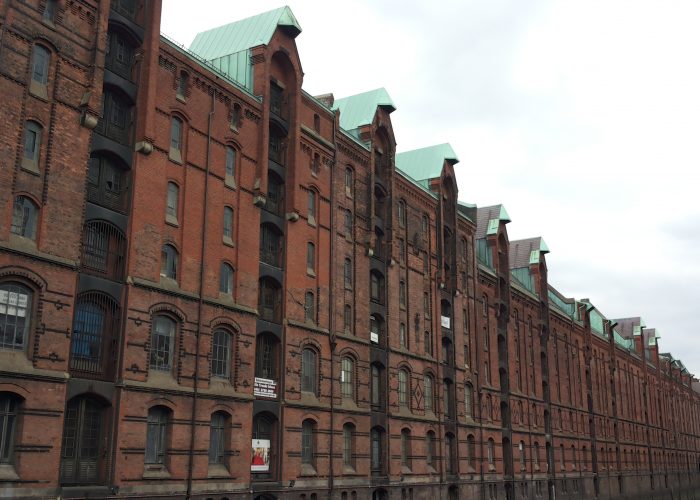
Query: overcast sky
point(581, 117)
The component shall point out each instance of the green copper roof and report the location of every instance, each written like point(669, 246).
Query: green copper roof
point(359, 109)
point(227, 47)
point(426, 163)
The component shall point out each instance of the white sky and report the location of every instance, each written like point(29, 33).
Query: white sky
point(581, 117)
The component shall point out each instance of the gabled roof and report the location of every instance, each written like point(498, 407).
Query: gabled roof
point(359, 109)
point(487, 219)
point(522, 253)
point(426, 163)
point(244, 34)
point(467, 209)
point(562, 303)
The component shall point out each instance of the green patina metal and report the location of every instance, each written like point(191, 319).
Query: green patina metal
point(359, 109)
point(426, 163)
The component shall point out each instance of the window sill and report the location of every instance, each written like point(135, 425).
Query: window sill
point(171, 220)
point(156, 472)
point(311, 220)
point(307, 470)
point(30, 166)
point(169, 283)
point(230, 182)
point(39, 90)
point(218, 471)
point(310, 272)
point(181, 98)
point(226, 240)
point(175, 155)
point(8, 473)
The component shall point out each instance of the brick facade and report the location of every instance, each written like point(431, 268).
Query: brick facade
point(409, 349)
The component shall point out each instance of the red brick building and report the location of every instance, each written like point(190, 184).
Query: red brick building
point(214, 285)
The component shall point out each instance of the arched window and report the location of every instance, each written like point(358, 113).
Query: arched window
point(182, 83)
point(349, 445)
point(536, 455)
point(309, 365)
point(217, 438)
point(168, 262)
point(428, 391)
point(310, 258)
point(157, 435)
point(406, 448)
point(309, 307)
point(226, 279)
point(521, 454)
point(425, 225)
point(469, 400)
point(15, 315)
point(9, 409)
point(82, 451)
point(308, 442)
point(402, 213)
point(311, 206)
point(347, 318)
point(230, 165)
point(471, 451)
point(228, 225)
point(403, 388)
point(173, 199)
point(347, 273)
point(348, 182)
point(162, 343)
point(430, 449)
point(490, 444)
point(41, 58)
point(175, 139)
point(32, 146)
point(403, 338)
point(221, 353)
point(95, 326)
point(347, 376)
point(24, 217)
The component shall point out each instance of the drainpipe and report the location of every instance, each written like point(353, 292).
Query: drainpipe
point(331, 316)
point(195, 394)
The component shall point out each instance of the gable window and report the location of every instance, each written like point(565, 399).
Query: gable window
point(228, 225)
point(347, 369)
point(9, 405)
point(162, 343)
point(15, 315)
point(32, 146)
point(172, 201)
point(168, 262)
point(230, 167)
point(24, 218)
point(226, 279)
point(40, 71)
point(308, 371)
point(156, 435)
point(217, 438)
point(221, 354)
point(309, 307)
point(175, 152)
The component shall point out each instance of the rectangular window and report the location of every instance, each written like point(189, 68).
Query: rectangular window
point(175, 139)
point(230, 167)
point(172, 202)
point(310, 258)
point(228, 224)
point(311, 207)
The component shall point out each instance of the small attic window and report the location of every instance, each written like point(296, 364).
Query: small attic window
point(182, 83)
point(317, 123)
point(235, 116)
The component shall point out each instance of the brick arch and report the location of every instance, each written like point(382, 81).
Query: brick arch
point(164, 307)
point(24, 274)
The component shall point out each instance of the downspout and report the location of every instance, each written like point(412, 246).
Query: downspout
point(195, 394)
point(331, 316)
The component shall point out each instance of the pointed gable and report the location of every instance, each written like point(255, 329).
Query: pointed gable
point(426, 163)
point(359, 109)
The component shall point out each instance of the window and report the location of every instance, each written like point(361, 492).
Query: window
point(430, 448)
point(349, 445)
point(424, 225)
point(402, 294)
point(15, 315)
point(156, 435)
point(96, 321)
point(562, 458)
point(275, 195)
point(116, 117)
point(403, 388)
point(32, 146)
point(217, 438)
point(168, 262)
point(449, 401)
point(402, 213)
point(226, 279)
point(266, 356)
point(427, 343)
point(162, 341)
point(347, 387)
point(317, 123)
point(107, 183)
point(308, 452)
point(426, 305)
point(49, 14)
point(81, 450)
point(469, 400)
point(428, 392)
point(175, 139)
point(40, 71)
point(536, 455)
point(228, 225)
point(347, 273)
point(347, 318)
point(402, 336)
point(221, 354)
point(24, 218)
point(311, 207)
point(490, 453)
point(309, 364)
point(376, 330)
point(103, 249)
point(521, 453)
point(376, 387)
point(271, 245)
point(230, 166)
point(119, 54)
point(347, 224)
point(270, 300)
point(402, 250)
point(348, 182)
point(450, 454)
point(235, 116)
point(309, 307)
point(173, 197)
point(406, 448)
point(376, 450)
point(315, 164)
point(376, 287)
point(9, 404)
point(471, 451)
point(182, 85)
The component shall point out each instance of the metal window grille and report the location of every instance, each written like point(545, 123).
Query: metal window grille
point(308, 371)
point(156, 435)
point(82, 437)
point(270, 245)
point(217, 438)
point(103, 250)
point(95, 326)
point(15, 314)
point(346, 378)
point(24, 215)
point(275, 196)
point(269, 300)
point(265, 366)
point(221, 354)
point(8, 417)
point(162, 340)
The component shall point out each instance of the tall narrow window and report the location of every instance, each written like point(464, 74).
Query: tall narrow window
point(310, 258)
point(376, 387)
point(471, 451)
point(175, 139)
point(402, 213)
point(347, 318)
point(221, 354)
point(9, 404)
point(24, 218)
point(168, 262)
point(426, 305)
point(347, 224)
point(468, 400)
point(182, 85)
point(271, 245)
point(266, 354)
point(311, 207)
point(15, 315)
point(316, 164)
point(348, 182)
point(403, 342)
point(94, 324)
point(347, 273)
point(521, 454)
point(40, 71)
point(156, 435)
point(162, 342)
point(490, 453)
point(217, 438)
point(424, 225)
point(173, 198)
point(406, 448)
point(376, 450)
point(349, 445)
point(430, 449)
point(428, 392)
point(450, 454)
point(226, 279)
point(32, 146)
point(402, 294)
point(309, 365)
point(308, 442)
point(235, 116)
point(81, 450)
point(347, 375)
point(403, 388)
point(428, 343)
point(228, 225)
point(49, 14)
point(230, 166)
